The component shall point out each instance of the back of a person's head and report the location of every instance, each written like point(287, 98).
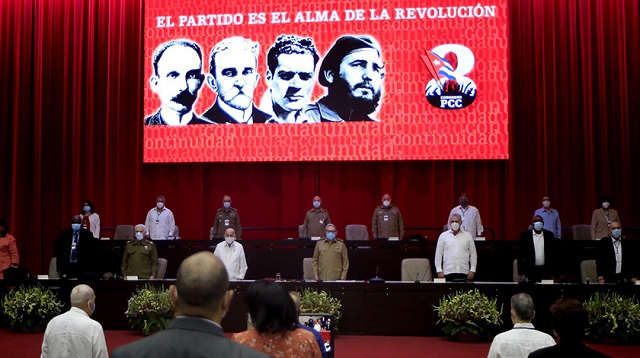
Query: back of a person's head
point(201, 282)
point(569, 318)
point(271, 307)
point(522, 306)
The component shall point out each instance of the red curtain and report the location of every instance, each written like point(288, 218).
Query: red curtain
point(71, 92)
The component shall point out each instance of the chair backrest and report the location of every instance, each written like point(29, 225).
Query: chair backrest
point(515, 270)
point(176, 232)
point(356, 232)
point(582, 232)
point(307, 269)
point(53, 268)
point(589, 271)
point(124, 232)
point(416, 269)
point(300, 228)
point(162, 268)
point(211, 233)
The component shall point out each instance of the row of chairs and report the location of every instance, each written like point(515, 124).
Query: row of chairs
point(53, 268)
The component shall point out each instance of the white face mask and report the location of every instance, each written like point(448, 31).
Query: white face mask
point(229, 240)
point(386, 202)
point(546, 203)
point(605, 205)
point(139, 236)
point(160, 205)
point(455, 226)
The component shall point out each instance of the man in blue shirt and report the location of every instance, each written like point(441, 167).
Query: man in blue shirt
point(550, 217)
point(296, 299)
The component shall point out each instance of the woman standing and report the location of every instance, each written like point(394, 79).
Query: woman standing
point(8, 249)
point(90, 219)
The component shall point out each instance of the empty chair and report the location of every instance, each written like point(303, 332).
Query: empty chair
point(588, 271)
point(124, 232)
point(515, 270)
point(53, 268)
point(162, 268)
point(307, 269)
point(356, 232)
point(300, 229)
point(211, 233)
point(176, 232)
point(582, 232)
point(416, 270)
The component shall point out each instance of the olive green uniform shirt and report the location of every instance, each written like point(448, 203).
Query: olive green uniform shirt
point(315, 222)
point(140, 259)
point(330, 260)
point(226, 218)
point(387, 222)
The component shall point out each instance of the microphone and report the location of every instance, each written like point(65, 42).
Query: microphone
point(377, 279)
point(417, 280)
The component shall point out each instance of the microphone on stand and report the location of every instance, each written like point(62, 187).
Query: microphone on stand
point(376, 279)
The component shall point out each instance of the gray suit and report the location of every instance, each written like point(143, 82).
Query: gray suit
point(187, 337)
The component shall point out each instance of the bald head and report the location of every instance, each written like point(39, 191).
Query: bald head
point(80, 296)
point(76, 219)
point(201, 283)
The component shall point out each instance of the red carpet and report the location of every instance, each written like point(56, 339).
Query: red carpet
point(28, 345)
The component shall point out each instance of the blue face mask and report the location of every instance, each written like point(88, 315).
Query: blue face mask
point(139, 236)
point(616, 233)
point(226, 205)
point(316, 204)
point(331, 235)
point(76, 227)
point(537, 226)
point(86, 208)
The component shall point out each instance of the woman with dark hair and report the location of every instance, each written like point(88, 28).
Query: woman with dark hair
point(90, 219)
point(8, 249)
point(273, 315)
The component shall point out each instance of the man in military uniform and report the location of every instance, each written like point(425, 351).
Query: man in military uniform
point(316, 220)
point(387, 220)
point(330, 260)
point(140, 256)
point(226, 217)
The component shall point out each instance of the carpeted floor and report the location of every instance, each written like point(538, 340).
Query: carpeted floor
point(28, 345)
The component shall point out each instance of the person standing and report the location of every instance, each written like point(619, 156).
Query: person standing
point(232, 255)
point(74, 333)
point(316, 219)
point(602, 218)
point(90, 219)
point(550, 217)
point(160, 222)
point(456, 256)
point(387, 220)
point(140, 256)
point(471, 221)
point(330, 259)
point(76, 252)
point(612, 262)
point(8, 249)
point(536, 261)
point(226, 217)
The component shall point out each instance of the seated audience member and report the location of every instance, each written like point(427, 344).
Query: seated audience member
point(160, 222)
point(202, 297)
point(273, 315)
point(456, 255)
point(296, 301)
point(90, 219)
point(330, 258)
point(569, 320)
point(76, 252)
point(231, 253)
point(8, 249)
point(550, 217)
point(74, 333)
point(614, 264)
point(140, 256)
point(523, 338)
point(601, 219)
point(537, 257)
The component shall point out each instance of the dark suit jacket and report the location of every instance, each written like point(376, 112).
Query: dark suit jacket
point(215, 114)
point(606, 260)
point(565, 350)
point(157, 119)
point(527, 258)
point(187, 337)
point(86, 252)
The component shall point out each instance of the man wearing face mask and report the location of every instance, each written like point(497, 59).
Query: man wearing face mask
point(536, 261)
point(231, 253)
point(602, 218)
point(160, 222)
point(613, 263)
point(471, 221)
point(387, 220)
point(456, 256)
point(226, 217)
point(550, 216)
point(330, 259)
point(74, 333)
point(315, 220)
point(140, 256)
point(75, 251)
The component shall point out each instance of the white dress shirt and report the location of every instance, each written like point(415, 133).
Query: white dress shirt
point(233, 258)
point(94, 224)
point(617, 250)
point(471, 221)
point(73, 334)
point(538, 246)
point(456, 253)
point(160, 224)
point(519, 342)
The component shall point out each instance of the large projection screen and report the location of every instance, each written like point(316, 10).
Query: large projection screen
point(256, 80)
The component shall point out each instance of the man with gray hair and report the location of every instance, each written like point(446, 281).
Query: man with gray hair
point(523, 338)
point(456, 255)
point(74, 334)
point(233, 76)
point(140, 256)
